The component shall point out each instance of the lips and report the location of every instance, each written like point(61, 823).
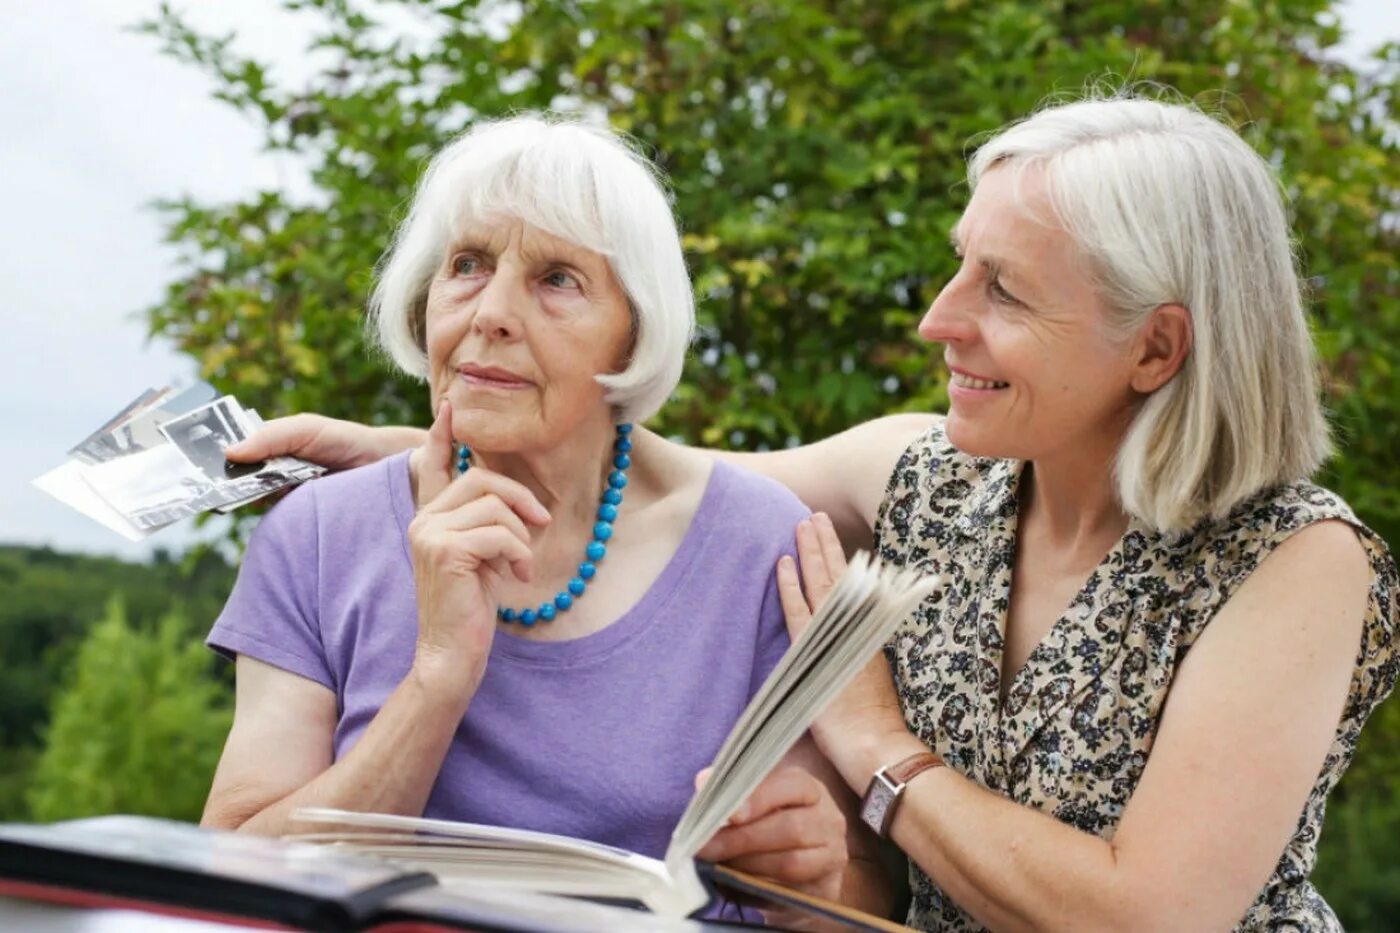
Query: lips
point(966, 380)
point(492, 377)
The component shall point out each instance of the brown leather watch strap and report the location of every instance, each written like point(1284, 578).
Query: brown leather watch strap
point(905, 771)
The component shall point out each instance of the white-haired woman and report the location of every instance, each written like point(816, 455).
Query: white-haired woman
point(520, 622)
point(1155, 642)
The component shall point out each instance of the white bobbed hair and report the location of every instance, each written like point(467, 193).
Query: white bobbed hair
point(578, 182)
point(1170, 206)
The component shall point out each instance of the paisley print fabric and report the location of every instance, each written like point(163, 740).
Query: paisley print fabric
point(1074, 733)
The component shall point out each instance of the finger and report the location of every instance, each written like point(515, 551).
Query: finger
point(816, 577)
point(832, 552)
point(792, 867)
point(478, 482)
point(289, 436)
point(782, 831)
point(783, 789)
point(473, 549)
point(490, 509)
point(433, 461)
point(702, 777)
point(795, 607)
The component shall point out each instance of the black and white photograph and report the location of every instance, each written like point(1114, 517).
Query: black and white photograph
point(203, 434)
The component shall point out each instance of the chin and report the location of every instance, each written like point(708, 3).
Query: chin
point(981, 440)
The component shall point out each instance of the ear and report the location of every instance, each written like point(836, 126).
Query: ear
point(1161, 348)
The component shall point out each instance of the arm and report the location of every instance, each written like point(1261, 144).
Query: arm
point(391, 769)
point(1234, 751)
point(470, 532)
point(845, 475)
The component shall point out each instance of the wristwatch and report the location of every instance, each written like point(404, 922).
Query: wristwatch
point(887, 786)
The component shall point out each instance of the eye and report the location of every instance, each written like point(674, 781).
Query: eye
point(999, 293)
point(466, 264)
point(561, 279)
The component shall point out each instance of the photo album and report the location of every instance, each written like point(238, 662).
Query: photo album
point(161, 459)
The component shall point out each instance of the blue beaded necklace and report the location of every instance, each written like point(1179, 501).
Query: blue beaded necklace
point(602, 531)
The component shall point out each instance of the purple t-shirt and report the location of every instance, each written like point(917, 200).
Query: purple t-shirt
point(599, 737)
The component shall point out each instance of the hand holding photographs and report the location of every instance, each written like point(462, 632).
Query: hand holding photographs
point(161, 459)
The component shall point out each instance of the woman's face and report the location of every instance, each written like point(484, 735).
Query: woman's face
point(1034, 369)
point(519, 322)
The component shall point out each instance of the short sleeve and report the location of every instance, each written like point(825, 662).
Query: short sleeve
point(272, 614)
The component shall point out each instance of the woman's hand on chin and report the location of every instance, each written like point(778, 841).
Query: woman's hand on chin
point(470, 533)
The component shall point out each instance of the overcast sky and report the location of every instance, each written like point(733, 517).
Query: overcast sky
point(97, 126)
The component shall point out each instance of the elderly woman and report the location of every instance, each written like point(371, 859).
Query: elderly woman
point(519, 623)
point(1155, 642)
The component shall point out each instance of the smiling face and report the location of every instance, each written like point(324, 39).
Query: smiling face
point(518, 324)
point(1036, 370)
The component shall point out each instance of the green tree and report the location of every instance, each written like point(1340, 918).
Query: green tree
point(48, 602)
point(137, 728)
point(816, 151)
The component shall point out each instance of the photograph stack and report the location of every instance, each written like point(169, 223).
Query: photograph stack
point(161, 459)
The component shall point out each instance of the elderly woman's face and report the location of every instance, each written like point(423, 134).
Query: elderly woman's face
point(518, 324)
point(1035, 369)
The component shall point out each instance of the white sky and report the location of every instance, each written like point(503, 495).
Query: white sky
point(97, 125)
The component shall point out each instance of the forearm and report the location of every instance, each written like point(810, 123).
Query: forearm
point(1010, 866)
point(391, 769)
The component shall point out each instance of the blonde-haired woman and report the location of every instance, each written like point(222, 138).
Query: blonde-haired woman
point(1155, 642)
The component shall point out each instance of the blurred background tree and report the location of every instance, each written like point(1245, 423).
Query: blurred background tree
point(137, 728)
point(816, 152)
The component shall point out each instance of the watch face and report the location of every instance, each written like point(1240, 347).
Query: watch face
point(875, 808)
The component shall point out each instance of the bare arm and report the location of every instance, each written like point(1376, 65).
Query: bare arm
point(278, 754)
point(845, 475)
point(1253, 711)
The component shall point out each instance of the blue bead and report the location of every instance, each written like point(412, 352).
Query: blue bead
point(547, 612)
point(607, 513)
point(602, 531)
point(617, 479)
point(622, 445)
point(624, 428)
point(528, 616)
point(563, 601)
point(622, 461)
point(577, 586)
point(507, 615)
point(586, 570)
point(595, 550)
point(612, 496)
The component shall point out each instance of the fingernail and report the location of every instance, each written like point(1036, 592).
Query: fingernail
point(741, 815)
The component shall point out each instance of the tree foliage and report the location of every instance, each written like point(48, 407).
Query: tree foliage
point(48, 603)
point(816, 152)
point(138, 727)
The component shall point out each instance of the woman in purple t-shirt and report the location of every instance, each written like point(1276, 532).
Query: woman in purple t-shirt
point(542, 617)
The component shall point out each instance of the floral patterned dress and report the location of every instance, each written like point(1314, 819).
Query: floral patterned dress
point(1075, 731)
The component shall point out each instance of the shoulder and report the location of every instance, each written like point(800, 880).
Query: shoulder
point(932, 485)
point(336, 505)
point(740, 495)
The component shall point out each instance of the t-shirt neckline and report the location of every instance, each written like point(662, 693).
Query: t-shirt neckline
point(646, 612)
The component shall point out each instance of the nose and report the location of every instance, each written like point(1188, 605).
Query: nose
point(952, 316)
point(498, 306)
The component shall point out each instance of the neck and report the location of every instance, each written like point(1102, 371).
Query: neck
point(567, 478)
point(1071, 497)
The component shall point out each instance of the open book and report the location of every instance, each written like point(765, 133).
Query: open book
point(863, 609)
